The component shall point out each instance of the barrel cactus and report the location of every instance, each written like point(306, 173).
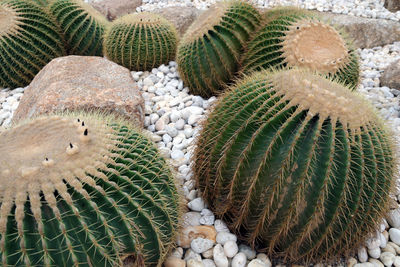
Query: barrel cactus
point(296, 164)
point(141, 41)
point(83, 26)
point(28, 41)
point(208, 55)
point(295, 37)
point(84, 190)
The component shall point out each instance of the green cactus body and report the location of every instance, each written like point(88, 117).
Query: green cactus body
point(141, 41)
point(294, 37)
point(91, 191)
point(83, 26)
point(28, 41)
point(208, 55)
point(297, 165)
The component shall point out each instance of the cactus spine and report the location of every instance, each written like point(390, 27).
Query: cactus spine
point(296, 164)
point(28, 41)
point(82, 25)
point(294, 37)
point(84, 190)
point(208, 55)
point(141, 41)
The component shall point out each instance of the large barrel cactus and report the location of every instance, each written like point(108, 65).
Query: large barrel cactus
point(295, 37)
point(208, 55)
point(28, 41)
point(297, 165)
point(141, 41)
point(84, 190)
point(82, 25)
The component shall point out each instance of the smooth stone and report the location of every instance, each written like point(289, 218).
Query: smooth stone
point(250, 254)
point(362, 254)
point(207, 218)
point(393, 218)
point(264, 258)
point(376, 263)
point(191, 218)
point(200, 245)
point(239, 260)
point(220, 226)
point(190, 254)
point(208, 263)
point(196, 204)
point(219, 256)
point(177, 154)
point(396, 261)
point(194, 263)
point(230, 248)
point(208, 254)
point(257, 263)
point(174, 262)
point(178, 253)
point(351, 262)
point(395, 235)
point(387, 258)
point(189, 233)
point(365, 264)
point(223, 237)
point(375, 252)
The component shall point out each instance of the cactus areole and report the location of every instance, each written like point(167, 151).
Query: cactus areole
point(83, 190)
point(297, 165)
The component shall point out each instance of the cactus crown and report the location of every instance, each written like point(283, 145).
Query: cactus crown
point(206, 21)
point(8, 20)
point(143, 18)
point(321, 96)
point(316, 45)
point(84, 189)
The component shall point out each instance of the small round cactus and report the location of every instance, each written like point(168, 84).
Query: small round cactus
point(295, 37)
point(208, 55)
point(28, 41)
point(83, 26)
point(84, 190)
point(296, 164)
point(141, 41)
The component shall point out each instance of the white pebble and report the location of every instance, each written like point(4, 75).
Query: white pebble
point(362, 254)
point(257, 263)
point(177, 154)
point(387, 258)
point(239, 260)
point(230, 248)
point(220, 226)
point(393, 218)
point(196, 204)
point(395, 235)
point(223, 237)
point(208, 263)
point(219, 256)
point(194, 263)
point(200, 245)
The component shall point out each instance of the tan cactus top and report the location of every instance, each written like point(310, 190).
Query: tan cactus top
point(8, 20)
point(315, 45)
point(45, 154)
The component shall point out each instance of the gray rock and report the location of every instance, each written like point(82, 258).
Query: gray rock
point(367, 32)
point(200, 245)
point(391, 76)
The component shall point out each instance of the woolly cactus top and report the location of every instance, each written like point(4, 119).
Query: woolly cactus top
point(143, 18)
point(8, 19)
point(321, 96)
point(316, 45)
point(39, 155)
point(206, 21)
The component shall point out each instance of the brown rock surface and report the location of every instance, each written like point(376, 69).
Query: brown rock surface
point(180, 16)
point(189, 233)
point(392, 5)
point(367, 32)
point(391, 76)
point(77, 82)
point(113, 9)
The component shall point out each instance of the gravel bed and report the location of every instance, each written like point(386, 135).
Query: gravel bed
point(173, 117)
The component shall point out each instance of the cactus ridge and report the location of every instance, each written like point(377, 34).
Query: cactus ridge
point(28, 41)
point(293, 37)
point(292, 168)
point(92, 192)
point(208, 55)
point(141, 41)
point(83, 26)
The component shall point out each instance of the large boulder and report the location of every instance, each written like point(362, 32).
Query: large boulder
point(88, 83)
point(391, 76)
point(180, 16)
point(366, 32)
point(392, 5)
point(113, 9)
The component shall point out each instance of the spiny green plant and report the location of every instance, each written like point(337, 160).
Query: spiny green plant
point(208, 55)
point(28, 41)
point(83, 26)
point(84, 189)
point(141, 41)
point(297, 165)
point(295, 37)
